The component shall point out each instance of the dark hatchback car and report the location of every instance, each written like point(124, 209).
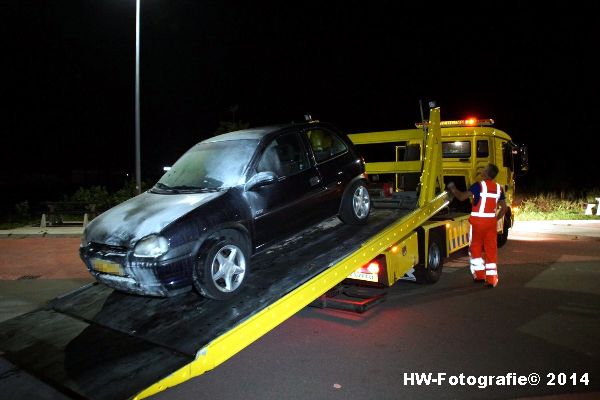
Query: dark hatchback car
point(225, 199)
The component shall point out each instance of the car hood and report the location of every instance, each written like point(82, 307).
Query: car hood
point(143, 215)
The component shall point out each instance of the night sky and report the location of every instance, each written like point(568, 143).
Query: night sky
point(68, 81)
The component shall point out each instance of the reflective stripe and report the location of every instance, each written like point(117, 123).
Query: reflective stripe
point(491, 272)
point(491, 196)
point(477, 261)
point(491, 266)
point(485, 215)
point(484, 195)
point(477, 265)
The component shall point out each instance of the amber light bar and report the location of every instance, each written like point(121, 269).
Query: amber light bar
point(461, 123)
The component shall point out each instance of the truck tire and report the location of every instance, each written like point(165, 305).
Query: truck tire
point(503, 236)
point(435, 255)
point(222, 265)
point(356, 204)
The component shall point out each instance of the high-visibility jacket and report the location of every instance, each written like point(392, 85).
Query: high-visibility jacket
point(488, 200)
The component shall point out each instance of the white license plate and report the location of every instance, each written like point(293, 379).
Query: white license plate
point(364, 277)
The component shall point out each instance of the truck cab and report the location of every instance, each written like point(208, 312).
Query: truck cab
point(394, 161)
point(469, 145)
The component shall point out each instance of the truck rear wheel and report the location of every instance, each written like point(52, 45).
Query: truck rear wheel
point(503, 236)
point(435, 260)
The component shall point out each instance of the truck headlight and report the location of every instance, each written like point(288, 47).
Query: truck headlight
point(151, 246)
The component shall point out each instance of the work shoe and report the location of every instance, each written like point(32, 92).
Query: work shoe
point(477, 279)
point(492, 281)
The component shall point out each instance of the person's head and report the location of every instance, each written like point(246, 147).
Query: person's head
point(490, 171)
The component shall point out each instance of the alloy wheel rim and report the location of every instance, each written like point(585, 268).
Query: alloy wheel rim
point(361, 202)
point(228, 268)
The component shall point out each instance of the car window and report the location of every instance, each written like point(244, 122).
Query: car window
point(325, 144)
point(211, 165)
point(284, 156)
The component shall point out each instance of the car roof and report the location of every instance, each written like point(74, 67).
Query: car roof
point(261, 132)
point(254, 133)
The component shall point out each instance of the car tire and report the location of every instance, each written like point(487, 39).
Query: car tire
point(356, 204)
point(222, 265)
point(503, 236)
point(435, 260)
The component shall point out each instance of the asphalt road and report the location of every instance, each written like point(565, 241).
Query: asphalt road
point(542, 318)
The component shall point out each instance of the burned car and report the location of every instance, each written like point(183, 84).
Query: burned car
point(224, 200)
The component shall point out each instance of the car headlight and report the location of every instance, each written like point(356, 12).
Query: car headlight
point(151, 246)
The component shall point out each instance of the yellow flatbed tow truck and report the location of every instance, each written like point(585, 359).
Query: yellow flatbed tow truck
point(102, 344)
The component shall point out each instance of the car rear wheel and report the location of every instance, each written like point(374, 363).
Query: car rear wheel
point(356, 204)
point(222, 265)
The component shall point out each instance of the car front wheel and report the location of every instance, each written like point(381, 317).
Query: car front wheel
point(222, 265)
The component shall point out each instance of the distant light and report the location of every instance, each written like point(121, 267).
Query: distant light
point(394, 249)
point(448, 225)
point(166, 168)
point(470, 121)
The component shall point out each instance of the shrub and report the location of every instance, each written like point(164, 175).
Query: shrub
point(126, 192)
point(95, 194)
point(556, 206)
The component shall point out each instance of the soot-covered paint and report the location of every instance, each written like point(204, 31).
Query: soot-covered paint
point(143, 215)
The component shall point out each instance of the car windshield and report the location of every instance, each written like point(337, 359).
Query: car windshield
point(212, 165)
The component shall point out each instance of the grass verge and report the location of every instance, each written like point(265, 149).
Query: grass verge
point(549, 206)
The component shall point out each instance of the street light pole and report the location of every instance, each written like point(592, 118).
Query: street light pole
point(138, 172)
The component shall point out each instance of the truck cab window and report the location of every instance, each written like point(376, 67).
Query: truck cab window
point(507, 156)
point(483, 149)
point(456, 149)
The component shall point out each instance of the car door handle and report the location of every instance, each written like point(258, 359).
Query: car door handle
point(314, 181)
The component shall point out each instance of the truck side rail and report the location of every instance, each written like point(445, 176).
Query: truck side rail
point(393, 167)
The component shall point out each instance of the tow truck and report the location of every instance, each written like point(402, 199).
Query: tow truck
point(102, 344)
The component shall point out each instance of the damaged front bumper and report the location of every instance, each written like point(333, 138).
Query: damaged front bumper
point(118, 268)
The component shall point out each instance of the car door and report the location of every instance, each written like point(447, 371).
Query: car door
point(287, 205)
point(334, 164)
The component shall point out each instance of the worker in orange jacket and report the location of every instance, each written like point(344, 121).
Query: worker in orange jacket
point(488, 197)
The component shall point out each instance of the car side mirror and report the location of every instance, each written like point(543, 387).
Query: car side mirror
point(260, 179)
